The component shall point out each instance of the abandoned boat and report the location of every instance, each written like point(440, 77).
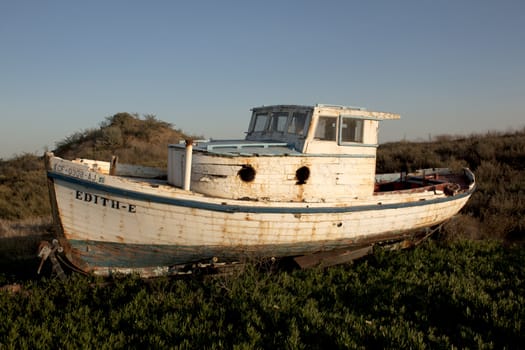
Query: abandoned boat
point(302, 182)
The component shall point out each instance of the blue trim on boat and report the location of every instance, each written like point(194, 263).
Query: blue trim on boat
point(231, 208)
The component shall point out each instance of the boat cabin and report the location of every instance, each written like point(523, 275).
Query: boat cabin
point(319, 129)
point(290, 152)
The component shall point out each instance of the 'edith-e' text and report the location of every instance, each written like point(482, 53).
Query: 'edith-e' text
point(105, 202)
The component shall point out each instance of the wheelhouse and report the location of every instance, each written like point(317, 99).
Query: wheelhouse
point(316, 129)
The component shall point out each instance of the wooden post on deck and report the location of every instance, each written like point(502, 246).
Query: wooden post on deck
point(187, 165)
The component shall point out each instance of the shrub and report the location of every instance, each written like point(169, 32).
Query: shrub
point(467, 294)
point(498, 160)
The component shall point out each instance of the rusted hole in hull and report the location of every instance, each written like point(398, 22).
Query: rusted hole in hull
point(247, 173)
point(302, 174)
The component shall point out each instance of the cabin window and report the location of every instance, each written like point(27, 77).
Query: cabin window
point(297, 123)
point(278, 122)
point(260, 122)
point(326, 128)
point(351, 130)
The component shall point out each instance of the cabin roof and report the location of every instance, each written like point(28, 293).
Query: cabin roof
point(277, 107)
point(353, 111)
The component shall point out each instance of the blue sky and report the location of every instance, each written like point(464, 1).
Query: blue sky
point(448, 67)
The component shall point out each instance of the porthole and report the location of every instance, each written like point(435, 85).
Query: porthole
point(247, 173)
point(302, 174)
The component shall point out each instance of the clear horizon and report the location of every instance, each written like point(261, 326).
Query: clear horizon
point(448, 67)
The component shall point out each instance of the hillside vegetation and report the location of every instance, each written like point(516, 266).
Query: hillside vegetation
point(497, 208)
point(135, 140)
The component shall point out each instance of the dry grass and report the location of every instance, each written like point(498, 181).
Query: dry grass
point(133, 139)
point(19, 241)
point(462, 227)
point(26, 227)
point(497, 208)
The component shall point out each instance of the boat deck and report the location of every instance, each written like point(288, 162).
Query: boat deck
point(431, 182)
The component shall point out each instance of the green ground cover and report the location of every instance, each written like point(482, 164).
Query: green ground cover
point(465, 294)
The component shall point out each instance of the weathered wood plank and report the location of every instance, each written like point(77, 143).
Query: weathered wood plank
point(332, 258)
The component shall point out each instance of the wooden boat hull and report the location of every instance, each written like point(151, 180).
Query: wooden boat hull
point(107, 223)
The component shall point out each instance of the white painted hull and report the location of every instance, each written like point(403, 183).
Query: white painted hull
point(110, 222)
